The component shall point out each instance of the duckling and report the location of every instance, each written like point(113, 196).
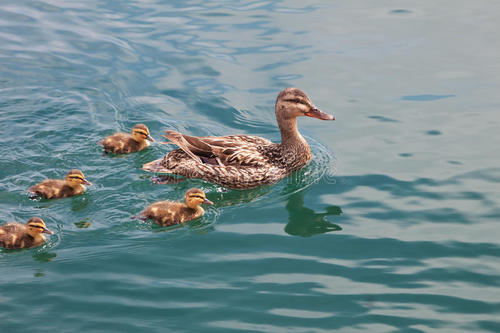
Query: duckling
point(167, 213)
point(15, 235)
point(61, 188)
point(124, 143)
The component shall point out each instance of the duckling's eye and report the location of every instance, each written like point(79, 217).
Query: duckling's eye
point(36, 226)
point(197, 196)
point(141, 133)
point(76, 177)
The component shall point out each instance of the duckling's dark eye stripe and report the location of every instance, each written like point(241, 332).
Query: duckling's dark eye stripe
point(36, 226)
point(76, 177)
point(196, 196)
point(141, 132)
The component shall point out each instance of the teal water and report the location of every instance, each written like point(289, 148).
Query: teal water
point(394, 227)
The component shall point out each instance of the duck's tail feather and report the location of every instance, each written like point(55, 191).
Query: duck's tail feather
point(178, 139)
point(156, 166)
point(139, 216)
point(166, 179)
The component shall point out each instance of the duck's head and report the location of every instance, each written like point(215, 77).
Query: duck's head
point(293, 102)
point(140, 132)
point(36, 226)
point(195, 197)
point(75, 178)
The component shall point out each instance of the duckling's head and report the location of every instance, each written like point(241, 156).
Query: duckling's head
point(140, 132)
point(36, 226)
point(195, 197)
point(293, 102)
point(75, 178)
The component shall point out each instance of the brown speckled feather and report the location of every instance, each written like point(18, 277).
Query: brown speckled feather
point(14, 235)
point(55, 188)
point(122, 143)
point(247, 161)
point(166, 213)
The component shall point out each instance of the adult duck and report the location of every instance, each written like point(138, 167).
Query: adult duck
point(244, 161)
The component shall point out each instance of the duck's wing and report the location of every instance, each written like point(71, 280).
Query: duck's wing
point(11, 227)
point(191, 145)
point(237, 150)
point(235, 161)
point(235, 140)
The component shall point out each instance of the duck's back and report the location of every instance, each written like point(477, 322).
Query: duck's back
point(234, 161)
point(121, 143)
point(168, 213)
point(14, 235)
point(53, 188)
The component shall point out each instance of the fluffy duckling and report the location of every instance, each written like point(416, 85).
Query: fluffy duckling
point(15, 235)
point(166, 213)
point(123, 143)
point(61, 188)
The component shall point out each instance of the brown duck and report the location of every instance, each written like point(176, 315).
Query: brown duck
point(244, 161)
point(15, 235)
point(123, 143)
point(166, 213)
point(61, 188)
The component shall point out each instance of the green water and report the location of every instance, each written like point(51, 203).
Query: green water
point(392, 228)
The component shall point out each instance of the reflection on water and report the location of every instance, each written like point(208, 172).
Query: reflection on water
point(44, 256)
point(305, 222)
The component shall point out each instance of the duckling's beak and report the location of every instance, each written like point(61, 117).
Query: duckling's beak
point(208, 202)
point(150, 138)
point(47, 231)
point(317, 113)
point(86, 182)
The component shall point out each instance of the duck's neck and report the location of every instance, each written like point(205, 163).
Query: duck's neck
point(143, 142)
point(291, 139)
point(38, 238)
point(196, 208)
point(77, 187)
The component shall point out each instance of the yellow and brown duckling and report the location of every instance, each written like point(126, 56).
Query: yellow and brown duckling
point(166, 213)
point(73, 184)
point(15, 235)
point(124, 143)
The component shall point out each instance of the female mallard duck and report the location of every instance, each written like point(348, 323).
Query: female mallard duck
point(166, 213)
point(15, 235)
point(123, 143)
point(61, 188)
point(243, 161)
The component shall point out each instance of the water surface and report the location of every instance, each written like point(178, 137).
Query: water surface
point(392, 228)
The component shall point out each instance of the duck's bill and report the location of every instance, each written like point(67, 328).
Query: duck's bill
point(317, 113)
point(86, 182)
point(207, 202)
point(150, 138)
point(47, 231)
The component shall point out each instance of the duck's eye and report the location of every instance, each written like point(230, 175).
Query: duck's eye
point(76, 177)
point(296, 101)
